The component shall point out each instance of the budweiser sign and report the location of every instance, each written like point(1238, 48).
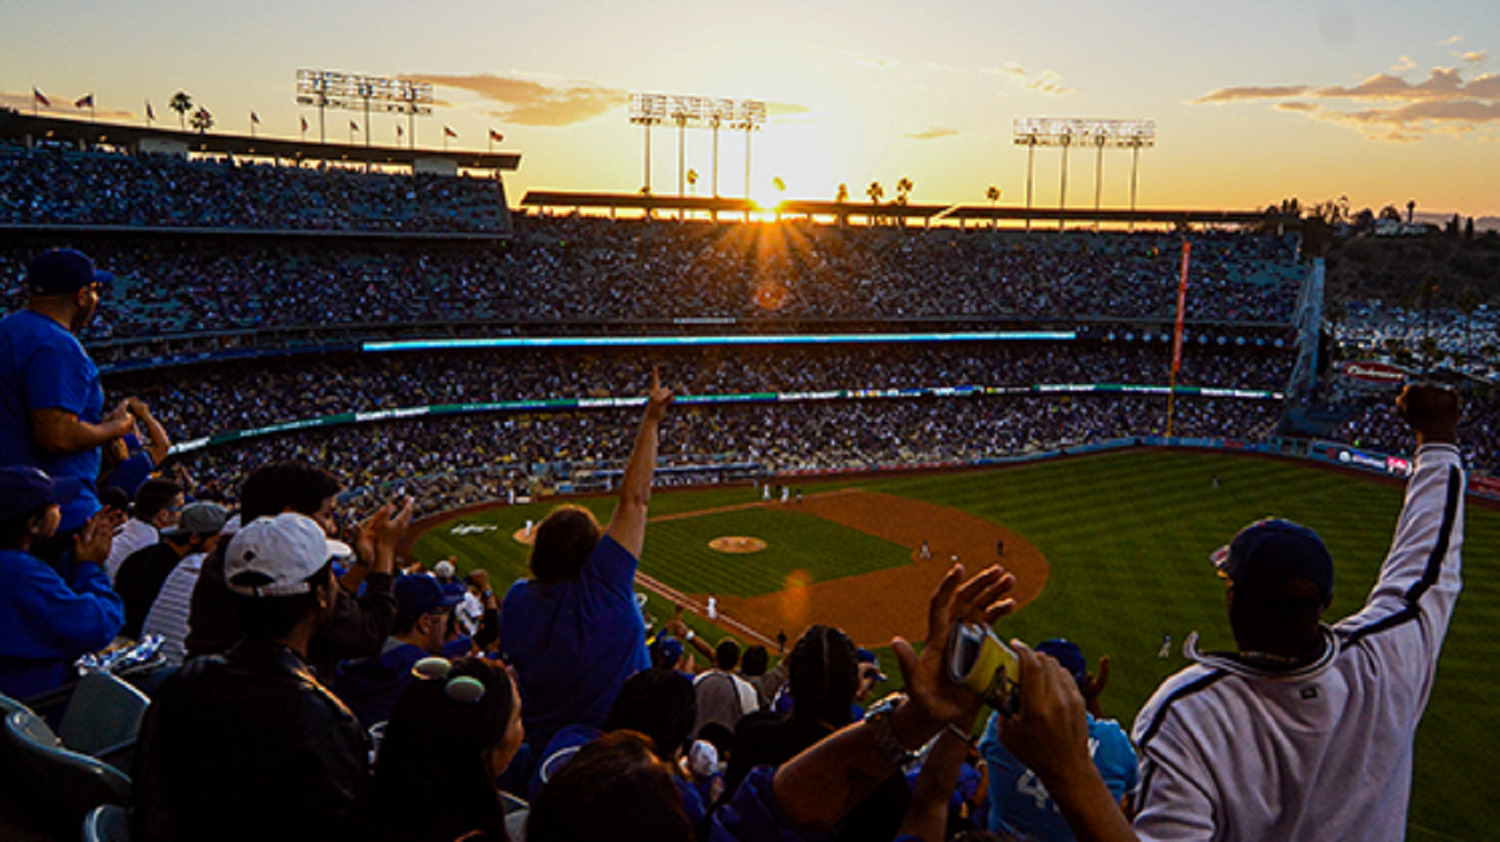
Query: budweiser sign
point(1375, 372)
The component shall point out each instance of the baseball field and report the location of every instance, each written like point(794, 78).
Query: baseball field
point(1109, 550)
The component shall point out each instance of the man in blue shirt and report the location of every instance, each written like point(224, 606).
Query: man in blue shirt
point(1019, 803)
point(573, 630)
point(48, 620)
point(51, 404)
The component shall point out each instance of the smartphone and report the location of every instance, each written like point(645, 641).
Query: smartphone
point(983, 663)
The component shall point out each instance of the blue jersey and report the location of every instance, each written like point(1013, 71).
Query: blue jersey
point(42, 366)
point(1020, 805)
point(575, 642)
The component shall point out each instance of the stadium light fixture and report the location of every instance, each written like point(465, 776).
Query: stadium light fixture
point(333, 89)
point(693, 111)
point(1067, 132)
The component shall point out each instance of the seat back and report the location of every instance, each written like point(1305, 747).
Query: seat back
point(61, 786)
point(107, 823)
point(103, 718)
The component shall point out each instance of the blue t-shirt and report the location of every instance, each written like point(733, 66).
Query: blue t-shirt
point(46, 623)
point(42, 366)
point(574, 643)
point(131, 474)
point(1020, 805)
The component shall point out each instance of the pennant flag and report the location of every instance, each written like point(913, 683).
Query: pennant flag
point(150, 113)
point(496, 136)
point(39, 99)
point(304, 123)
point(353, 126)
point(398, 130)
point(254, 118)
point(84, 102)
point(447, 132)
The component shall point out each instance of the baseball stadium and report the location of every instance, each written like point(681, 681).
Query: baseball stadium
point(863, 393)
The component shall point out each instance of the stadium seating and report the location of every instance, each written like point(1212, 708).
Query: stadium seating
point(64, 785)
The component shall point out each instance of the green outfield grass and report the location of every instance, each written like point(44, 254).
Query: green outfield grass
point(1127, 536)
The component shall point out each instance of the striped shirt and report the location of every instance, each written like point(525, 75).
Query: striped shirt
point(169, 613)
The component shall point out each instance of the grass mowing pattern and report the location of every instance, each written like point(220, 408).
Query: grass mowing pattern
point(1127, 537)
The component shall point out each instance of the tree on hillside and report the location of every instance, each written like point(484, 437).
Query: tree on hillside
point(182, 104)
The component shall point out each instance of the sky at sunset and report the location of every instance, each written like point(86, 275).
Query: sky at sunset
point(1255, 100)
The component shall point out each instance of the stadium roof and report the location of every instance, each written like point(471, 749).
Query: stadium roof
point(913, 212)
point(86, 133)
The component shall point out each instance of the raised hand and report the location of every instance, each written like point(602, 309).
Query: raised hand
point(982, 599)
point(659, 398)
point(93, 542)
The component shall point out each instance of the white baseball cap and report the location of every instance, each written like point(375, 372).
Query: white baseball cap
point(282, 552)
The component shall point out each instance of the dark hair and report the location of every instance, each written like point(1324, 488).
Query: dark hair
point(615, 788)
point(658, 703)
point(823, 671)
point(154, 496)
point(12, 530)
point(274, 617)
point(114, 497)
point(756, 661)
point(280, 486)
point(432, 780)
point(718, 734)
point(727, 654)
point(563, 543)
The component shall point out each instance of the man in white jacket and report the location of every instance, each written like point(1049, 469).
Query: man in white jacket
point(1306, 732)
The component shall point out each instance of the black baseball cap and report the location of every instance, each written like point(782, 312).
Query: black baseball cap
point(1271, 553)
point(24, 489)
point(63, 272)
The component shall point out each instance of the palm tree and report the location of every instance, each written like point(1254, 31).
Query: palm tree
point(842, 195)
point(993, 194)
point(1469, 301)
point(182, 104)
point(903, 190)
point(780, 185)
point(876, 193)
point(202, 120)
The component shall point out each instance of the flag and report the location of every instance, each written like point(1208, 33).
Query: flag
point(353, 126)
point(150, 113)
point(1182, 282)
point(496, 136)
point(398, 130)
point(447, 132)
point(84, 102)
point(304, 123)
point(254, 118)
point(39, 99)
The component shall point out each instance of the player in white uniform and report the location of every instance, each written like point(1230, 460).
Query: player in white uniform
point(1306, 733)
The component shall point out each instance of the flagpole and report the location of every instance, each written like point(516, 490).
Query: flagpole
point(1182, 283)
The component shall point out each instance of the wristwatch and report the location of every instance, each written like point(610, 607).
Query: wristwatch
point(878, 719)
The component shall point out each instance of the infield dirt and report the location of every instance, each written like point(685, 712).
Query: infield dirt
point(873, 607)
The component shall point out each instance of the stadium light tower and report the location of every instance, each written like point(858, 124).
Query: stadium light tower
point(1032, 132)
point(332, 89)
point(688, 111)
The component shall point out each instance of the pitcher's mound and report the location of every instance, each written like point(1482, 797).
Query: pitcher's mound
point(737, 544)
point(524, 536)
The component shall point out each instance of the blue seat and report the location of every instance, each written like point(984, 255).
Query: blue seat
point(60, 786)
point(103, 718)
point(107, 823)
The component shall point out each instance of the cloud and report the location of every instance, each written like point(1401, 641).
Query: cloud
point(1402, 65)
point(1454, 39)
point(1386, 107)
point(1473, 57)
point(874, 62)
point(785, 109)
point(932, 133)
point(529, 102)
point(1251, 92)
point(1042, 82)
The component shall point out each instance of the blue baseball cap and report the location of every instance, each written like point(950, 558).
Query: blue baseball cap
point(1068, 656)
point(865, 656)
point(417, 595)
point(666, 650)
point(24, 489)
point(1271, 553)
point(63, 272)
